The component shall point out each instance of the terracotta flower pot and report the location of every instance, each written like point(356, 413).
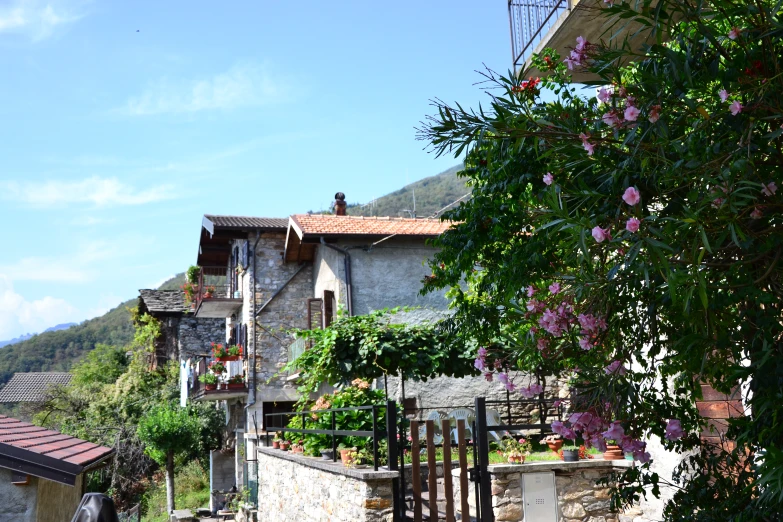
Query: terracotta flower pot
point(516, 459)
point(346, 456)
point(555, 445)
point(275, 444)
point(236, 385)
point(210, 387)
point(613, 453)
point(227, 358)
point(284, 446)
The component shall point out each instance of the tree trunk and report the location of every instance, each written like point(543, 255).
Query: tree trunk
point(170, 482)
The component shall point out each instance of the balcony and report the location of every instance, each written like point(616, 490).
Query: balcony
point(223, 390)
point(219, 292)
point(537, 24)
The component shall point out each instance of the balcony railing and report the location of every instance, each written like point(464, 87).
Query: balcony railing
point(530, 21)
point(223, 390)
point(219, 292)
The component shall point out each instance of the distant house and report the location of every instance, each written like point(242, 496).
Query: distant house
point(24, 390)
point(42, 472)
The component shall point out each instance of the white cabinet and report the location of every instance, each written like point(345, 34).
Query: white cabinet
point(539, 497)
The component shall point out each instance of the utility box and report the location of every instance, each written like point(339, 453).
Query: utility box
point(539, 498)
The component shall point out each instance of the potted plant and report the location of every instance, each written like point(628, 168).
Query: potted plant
point(515, 450)
point(284, 444)
point(217, 367)
point(347, 454)
point(209, 291)
point(327, 454)
point(570, 453)
point(232, 353)
point(361, 459)
point(237, 382)
point(190, 290)
point(613, 451)
point(210, 380)
point(553, 442)
point(298, 447)
point(276, 441)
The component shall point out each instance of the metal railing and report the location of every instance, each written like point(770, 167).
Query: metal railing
point(217, 282)
point(278, 422)
point(132, 515)
point(529, 21)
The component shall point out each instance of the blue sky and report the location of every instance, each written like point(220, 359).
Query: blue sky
point(122, 123)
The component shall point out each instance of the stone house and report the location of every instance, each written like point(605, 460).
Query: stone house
point(266, 276)
point(42, 472)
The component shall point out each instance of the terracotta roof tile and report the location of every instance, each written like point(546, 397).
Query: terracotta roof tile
point(49, 443)
point(325, 224)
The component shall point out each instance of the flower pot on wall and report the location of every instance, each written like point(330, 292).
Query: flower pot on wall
point(327, 454)
point(516, 459)
point(571, 455)
point(236, 386)
point(555, 445)
point(613, 453)
point(275, 444)
point(228, 358)
point(210, 387)
point(347, 456)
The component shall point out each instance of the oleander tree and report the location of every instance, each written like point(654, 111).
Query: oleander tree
point(627, 234)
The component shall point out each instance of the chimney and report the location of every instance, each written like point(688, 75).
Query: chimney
point(339, 204)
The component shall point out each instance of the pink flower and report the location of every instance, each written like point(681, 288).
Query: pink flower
point(724, 95)
point(674, 429)
point(631, 113)
point(735, 108)
point(632, 225)
point(631, 196)
point(717, 202)
point(769, 189)
point(585, 343)
point(531, 291)
point(615, 431)
point(531, 391)
point(734, 33)
point(532, 305)
point(756, 214)
point(479, 364)
point(503, 379)
point(581, 43)
point(488, 376)
point(615, 367)
point(548, 178)
point(601, 234)
point(554, 288)
point(589, 147)
point(642, 457)
point(655, 113)
point(611, 119)
point(604, 95)
point(557, 403)
point(542, 344)
point(482, 352)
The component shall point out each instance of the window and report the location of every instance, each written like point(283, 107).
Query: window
point(328, 308)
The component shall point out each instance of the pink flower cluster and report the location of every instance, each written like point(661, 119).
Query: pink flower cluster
point(587, 144)
point(595, 432)
point(578, 56)
point(503, 378)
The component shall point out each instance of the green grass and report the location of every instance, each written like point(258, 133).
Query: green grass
point(191, 488)
point(495, 457)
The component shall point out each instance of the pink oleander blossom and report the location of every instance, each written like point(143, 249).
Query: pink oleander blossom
point(581, 43)
point(631, 196)
point(735, 108)
point(604, 95)
point(598, 442)
point(589, 147)
point(717, 202)
point(548, 178)
point(585, 343)
point(631, 113)
point(601, 234)
point(531, 291)
point(756, 214)
point(542, 344)
point(479, 364)
point(504, 380)
point(612, 119)
point(632, 225)
point(616, 368)
point(655, 113)
point(734, 33)
point(531, 391)
point(554, 288)
point(482, 352)
point(769, 189)
point(724, 95)
point(488, 376)
point(674, 429)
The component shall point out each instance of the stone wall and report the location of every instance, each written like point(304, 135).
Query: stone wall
point(18, 502)
point(292, 488)
point(579, 498)
point(196, 334)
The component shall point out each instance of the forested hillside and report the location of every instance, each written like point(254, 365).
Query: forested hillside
point(432, 194)
point(58, 351)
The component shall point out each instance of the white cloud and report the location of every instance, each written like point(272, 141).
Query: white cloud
point(100, 192)
point(35, 19)
point(79, 267)
point(244, 85)
point(19, 316)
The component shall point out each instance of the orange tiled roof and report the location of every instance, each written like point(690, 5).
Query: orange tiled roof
point(325, 224)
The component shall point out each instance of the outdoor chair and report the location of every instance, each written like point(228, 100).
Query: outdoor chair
point(465, 414)
point(435, 416)
point(493, 419)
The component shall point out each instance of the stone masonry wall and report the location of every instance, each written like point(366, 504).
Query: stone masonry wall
point(579, 498)
point(293, 491)
point(287, 310)
point(196, 334)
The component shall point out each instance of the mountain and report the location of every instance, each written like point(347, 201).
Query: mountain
point(61, 346)
point(431, 195)
point(24, 337)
